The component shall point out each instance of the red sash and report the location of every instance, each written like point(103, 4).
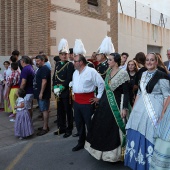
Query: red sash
point(83, 98)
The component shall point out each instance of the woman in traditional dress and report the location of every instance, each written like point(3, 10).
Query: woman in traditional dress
point(132, 69)
point(152, 93)
point(106, 136)
point(161, 153)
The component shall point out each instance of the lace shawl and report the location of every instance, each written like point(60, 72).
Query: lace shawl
point(120, 78)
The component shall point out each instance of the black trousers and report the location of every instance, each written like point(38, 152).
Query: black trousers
point(82, 115)
point(64, 110)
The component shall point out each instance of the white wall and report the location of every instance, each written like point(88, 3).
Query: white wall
point(162, 6)
point(134, 35)
point(71, 27)
point(143, 10)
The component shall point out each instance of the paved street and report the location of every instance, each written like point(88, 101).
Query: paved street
point(47, 152)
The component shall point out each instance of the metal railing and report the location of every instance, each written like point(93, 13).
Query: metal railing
point(142, 12)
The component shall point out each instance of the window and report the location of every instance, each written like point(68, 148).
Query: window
point(93, 2)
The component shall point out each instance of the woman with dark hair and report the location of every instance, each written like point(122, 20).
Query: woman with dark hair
point(132, 69)
point(140, 60)
point(106, 136)
point(152, 94)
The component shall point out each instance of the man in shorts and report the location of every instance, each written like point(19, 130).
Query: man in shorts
point(26, 82)
point(42, 91)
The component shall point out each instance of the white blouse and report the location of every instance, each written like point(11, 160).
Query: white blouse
point(18, 103)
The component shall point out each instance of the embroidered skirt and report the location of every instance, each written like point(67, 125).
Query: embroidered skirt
point(163, 129)
point(104, 139)
point(138, 152)
point(161, 155)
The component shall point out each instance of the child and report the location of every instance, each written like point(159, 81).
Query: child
point(23, 122)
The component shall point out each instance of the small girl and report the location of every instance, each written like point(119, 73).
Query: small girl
point(23, 122)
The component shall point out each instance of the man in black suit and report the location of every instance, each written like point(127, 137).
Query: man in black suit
point(102, 67)
point(167, 63)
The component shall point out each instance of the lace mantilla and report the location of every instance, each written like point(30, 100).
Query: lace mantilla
point(120, 78)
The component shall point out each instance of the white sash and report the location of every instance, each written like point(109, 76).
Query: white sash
point(148, 105)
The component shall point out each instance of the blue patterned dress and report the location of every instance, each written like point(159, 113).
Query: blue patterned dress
point(140, 129)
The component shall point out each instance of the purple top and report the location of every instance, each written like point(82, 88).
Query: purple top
point(28, 74)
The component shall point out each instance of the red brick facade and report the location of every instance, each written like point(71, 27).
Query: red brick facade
point(25, 24)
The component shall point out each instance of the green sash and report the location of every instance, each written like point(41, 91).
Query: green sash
point(115, 109)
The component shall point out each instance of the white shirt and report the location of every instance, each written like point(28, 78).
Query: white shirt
point(123, 67)
point(8, 72)
point(87, 81)
point(169, 66)
point(48, 64)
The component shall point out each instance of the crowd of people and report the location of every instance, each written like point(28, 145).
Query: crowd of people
point(121, 109)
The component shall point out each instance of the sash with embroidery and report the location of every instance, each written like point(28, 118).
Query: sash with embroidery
point(147, 102)
point(115, 109)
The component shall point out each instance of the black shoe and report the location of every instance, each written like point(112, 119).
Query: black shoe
point(43, 132)
point(41, 128)
point(58, 132)
point(67, 134)
point(55, 121)
point(78, 147)
point(75, 135)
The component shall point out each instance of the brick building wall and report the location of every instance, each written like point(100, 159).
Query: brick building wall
point(38, 26)
point(24, 25)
